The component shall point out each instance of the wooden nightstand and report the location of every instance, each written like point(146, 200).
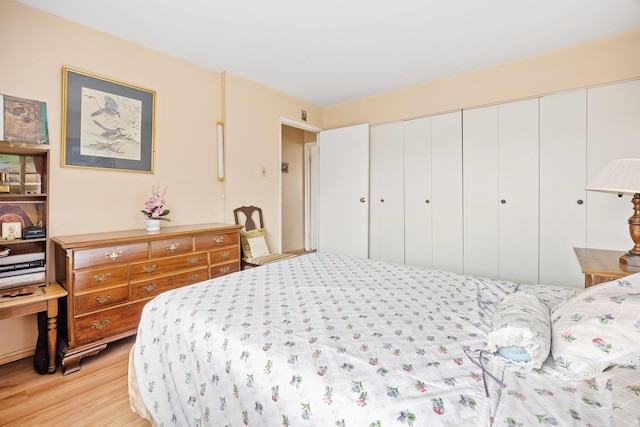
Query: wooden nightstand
point(600, 265)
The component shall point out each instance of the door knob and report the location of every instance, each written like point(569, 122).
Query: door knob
point(580, 201)
point(503, 201)
point(362, 200)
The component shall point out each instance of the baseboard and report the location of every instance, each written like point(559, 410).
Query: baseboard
point(17, 355)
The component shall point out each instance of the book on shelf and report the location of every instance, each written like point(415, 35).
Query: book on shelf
point(15, 259)
point(22, 265)
point(5, 274)
point(23, 280)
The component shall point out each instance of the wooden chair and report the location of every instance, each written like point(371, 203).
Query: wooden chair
point(248, 216)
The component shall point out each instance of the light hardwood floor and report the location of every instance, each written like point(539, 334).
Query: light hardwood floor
point(94, 396)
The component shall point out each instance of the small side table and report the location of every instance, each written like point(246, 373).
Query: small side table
point(45, 300)
point(601, 265)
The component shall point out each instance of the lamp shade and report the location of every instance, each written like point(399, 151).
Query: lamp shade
point(621, 176)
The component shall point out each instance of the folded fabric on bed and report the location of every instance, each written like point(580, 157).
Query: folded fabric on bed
point(521, 331)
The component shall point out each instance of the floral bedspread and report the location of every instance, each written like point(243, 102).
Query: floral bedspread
point(329, 340)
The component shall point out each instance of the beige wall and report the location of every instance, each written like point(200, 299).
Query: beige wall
point(601, 61)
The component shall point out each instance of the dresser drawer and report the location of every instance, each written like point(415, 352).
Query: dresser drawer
point(170, 247)
point(213, 241)
point(109, 255)
point(100, 277)
point(163, 266)
point(106, 323)
point(222, 269)
point(102, 298)
point(224, 255)
point(151, 288)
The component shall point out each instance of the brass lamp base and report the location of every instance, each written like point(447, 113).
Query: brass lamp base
point(630, 259)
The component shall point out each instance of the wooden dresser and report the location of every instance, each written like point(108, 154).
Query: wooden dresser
point(109, 277)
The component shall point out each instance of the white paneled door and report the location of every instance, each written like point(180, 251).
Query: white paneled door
point(343, 191)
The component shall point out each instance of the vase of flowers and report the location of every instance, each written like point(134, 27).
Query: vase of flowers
point(154, 210)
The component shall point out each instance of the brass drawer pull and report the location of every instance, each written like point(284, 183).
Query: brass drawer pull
point(149, 268)
point(225, 269)
point(218, 240)
point(102, 278)
point(225, 254)
point(103, 299)
point(100, 324)
point(193, 260)
point(172, 247)
point(113, 254)
point(193, 277)
point(150, 288)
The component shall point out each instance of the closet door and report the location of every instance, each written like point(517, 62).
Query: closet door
point(386, 188)
point(518, 165)
point(446, 191)
point(418, 236)
point(613, 132)
point(480, 183)
point(500, 146)
point(563, 170)
point(343, 191)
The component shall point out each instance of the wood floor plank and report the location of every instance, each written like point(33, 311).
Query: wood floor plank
point(94, 396)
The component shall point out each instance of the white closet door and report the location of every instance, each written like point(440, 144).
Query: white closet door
point(386, 189)
point(518, 137)
point(613, 119)
point(480, 183)
point(563, 170)
point(446, 191)
point(343, 181)
point(418, 168)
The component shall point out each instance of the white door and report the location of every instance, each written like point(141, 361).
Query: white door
point(343, 191)
point(386, 190)
point(613, 132)
point(563, 175)
point(480, 183)
point(518, 165)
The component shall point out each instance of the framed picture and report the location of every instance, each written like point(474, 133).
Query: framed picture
point(285, 167)
point(11, 230)
point(23, 120)
point(106, 124)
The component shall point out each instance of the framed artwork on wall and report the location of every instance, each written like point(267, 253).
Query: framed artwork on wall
point(106, 124)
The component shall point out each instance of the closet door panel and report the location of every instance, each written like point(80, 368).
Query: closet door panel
point(613, 132)
point(563, 170)
point(446, 191)
point(386, 188)
point(518, 190)
point(418, 242)
point(480, 183)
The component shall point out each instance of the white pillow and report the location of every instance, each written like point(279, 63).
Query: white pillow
point(258, 246)
point(521, 331)
point(597, 328)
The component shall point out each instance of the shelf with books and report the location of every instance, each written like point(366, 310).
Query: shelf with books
point(24, 208)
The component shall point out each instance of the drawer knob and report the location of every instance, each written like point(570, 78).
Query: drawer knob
point(102, 278)
point(218, 240)
point(150, 288)
point(100, 324)
point(193, 260)
point(113, 255)
point(104, 299)
point(193, 277)
point(225, 254)
point(149, 268)
point(225, 269)
point(172, 247)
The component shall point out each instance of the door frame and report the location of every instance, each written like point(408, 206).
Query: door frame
point(311, 222)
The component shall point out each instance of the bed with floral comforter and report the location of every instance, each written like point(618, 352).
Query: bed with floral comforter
point(330, 340)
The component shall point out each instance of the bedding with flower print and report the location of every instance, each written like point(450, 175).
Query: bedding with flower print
point(330, 340)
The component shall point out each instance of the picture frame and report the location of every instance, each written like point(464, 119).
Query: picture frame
point(106, 124)
point(285, 167)
point(11, 230)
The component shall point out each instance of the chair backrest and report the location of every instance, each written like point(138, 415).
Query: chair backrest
point(248, 216)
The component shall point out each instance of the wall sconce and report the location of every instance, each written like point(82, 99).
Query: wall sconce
point(220, 152)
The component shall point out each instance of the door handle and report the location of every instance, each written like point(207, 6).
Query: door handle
point(362, 200)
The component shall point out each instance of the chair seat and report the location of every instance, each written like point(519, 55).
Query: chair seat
point(266, 259)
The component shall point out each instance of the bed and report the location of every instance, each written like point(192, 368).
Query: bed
point(330, 340)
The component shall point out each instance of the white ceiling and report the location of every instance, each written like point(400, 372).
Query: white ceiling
point(330, 51)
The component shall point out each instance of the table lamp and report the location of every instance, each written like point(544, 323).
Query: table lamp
point(622, 176)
